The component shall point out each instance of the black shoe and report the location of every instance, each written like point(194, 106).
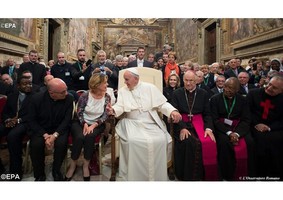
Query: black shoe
point(57, 176)
point(40, 178)
point(87, 178)
point(68, 179)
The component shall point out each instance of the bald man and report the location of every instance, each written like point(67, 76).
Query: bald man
point(232, 119)
point(50, 118)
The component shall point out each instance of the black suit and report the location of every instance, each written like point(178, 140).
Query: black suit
point(15, 135)
point(243, 91)
point(37, 70)
point(209, 81)
point(134, 63)
point(215, 90)
point(80, 79)
point(5, 70)
point(63, 72)
point(49, 116)
point(230, 73)
point(5, 89)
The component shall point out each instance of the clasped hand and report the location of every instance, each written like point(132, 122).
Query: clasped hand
point(234, 139)
point(49, 141)
point(11, 122)
point(88, 129)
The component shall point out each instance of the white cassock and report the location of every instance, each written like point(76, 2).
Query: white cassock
point(143, 135)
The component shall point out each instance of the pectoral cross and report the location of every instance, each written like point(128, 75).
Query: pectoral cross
point(266, 106)
point(190, 117)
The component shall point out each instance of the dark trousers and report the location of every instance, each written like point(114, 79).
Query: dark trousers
point(14, 140)
point(80, 141)
point(227, 159)
point(37, 145)
point(269, 153)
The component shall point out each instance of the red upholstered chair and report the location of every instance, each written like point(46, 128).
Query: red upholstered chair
point(3, 100)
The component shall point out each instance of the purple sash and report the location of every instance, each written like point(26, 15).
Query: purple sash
point(240, 153)
point(209, 150)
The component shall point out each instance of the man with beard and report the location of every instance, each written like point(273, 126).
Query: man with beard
point(81, 71)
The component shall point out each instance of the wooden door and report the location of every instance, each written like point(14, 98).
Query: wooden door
point(210, 47)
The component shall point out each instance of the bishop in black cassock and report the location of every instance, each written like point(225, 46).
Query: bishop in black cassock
point(231, 107)
point(190, 100)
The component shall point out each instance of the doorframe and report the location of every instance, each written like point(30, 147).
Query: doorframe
point(202, 33)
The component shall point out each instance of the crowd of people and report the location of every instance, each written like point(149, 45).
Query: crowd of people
point(213, 106)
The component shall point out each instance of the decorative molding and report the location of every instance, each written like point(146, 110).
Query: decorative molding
point(273, 34)
point(13, 39)
point(133, 21)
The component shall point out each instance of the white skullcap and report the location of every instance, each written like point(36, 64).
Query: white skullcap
point(133, 70)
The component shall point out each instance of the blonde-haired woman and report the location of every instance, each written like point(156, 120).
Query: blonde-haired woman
point(91, 117)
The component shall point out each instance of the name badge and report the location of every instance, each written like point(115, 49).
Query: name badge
point(173, 72)
point(82, 78)
point(67, 74)
point(228, 122)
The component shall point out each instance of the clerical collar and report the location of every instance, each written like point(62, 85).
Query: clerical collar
point(62, 63)
point(191, 91)
point(22, 93)
point(229, 98)
point(32, 62)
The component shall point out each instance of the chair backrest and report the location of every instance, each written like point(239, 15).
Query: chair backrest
point(147, 74)
point(3, 100)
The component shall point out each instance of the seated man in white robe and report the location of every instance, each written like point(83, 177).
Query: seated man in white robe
point(144, 138)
